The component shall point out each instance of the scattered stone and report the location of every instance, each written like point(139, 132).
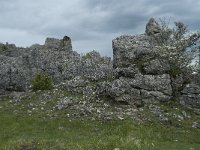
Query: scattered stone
point(180, 118)
point(163, 119)
point(120, 118)
point(195, 124)
point(64, 103)
point(60, 128)
point(185, 114)
point(155, 109)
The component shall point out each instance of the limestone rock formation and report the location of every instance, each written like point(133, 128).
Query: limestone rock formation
point(156, 66)
point(13, 74)
point(59, 44)
point(136, 63)
point(137, 74)
point(55, 57)
point(152, 27)
point(190, 97)
point(128, 49)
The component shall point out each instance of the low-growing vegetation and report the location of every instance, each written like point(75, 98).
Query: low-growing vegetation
point(42, 82)
point(3, 48)
point(36, 131)
point(175, 71)
point(23, 132)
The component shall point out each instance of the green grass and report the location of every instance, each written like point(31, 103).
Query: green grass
point(21, 131)
point(53, 134)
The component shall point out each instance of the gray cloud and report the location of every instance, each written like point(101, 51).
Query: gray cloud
point(92, 24)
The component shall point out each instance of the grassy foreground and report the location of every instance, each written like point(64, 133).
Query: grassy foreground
point(31, 133)
point(20, 130)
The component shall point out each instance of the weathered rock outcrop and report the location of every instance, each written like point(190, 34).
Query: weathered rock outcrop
point(136, 75)
point(57, 44)
point(190, 97)
point(152, 27)
point(139, 75)
point(138, 66)
point(129, 49)
point(13, 74)
point(142, 76)
point(55, 57)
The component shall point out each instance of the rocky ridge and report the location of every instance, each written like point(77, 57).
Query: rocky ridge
point(135, 77)
point(56, 58)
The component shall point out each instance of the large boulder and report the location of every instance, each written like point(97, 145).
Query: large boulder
point(190, 97)
point(137, 61)
point(121, 91)
point(161, 83)
point(141, 88)
point(128, 50)
point(141, 75)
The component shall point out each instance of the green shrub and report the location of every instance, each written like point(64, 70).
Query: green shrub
point(42, 82)
point(87, 56)
point(175, 70)
point(3, 48)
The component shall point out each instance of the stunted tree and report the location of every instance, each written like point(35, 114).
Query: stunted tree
point(175, 44)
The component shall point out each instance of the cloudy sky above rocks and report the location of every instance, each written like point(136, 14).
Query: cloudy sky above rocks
point(92, 24)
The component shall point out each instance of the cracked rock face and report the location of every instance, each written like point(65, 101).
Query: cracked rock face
point(19, 65)
point(55, 58)
point(190, 97)
point(129, 49)
point(156, 66)
point(139, 69)
point(14, 76)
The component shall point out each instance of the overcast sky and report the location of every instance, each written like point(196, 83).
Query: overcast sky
point(91, 24)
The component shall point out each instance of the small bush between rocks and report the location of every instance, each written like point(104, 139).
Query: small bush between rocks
point(42, 82)
point(87, 56)
point(175, 70)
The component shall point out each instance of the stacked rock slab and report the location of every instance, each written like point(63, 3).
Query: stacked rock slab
point(190, 97)
point(59, 44)
point(141, 75)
